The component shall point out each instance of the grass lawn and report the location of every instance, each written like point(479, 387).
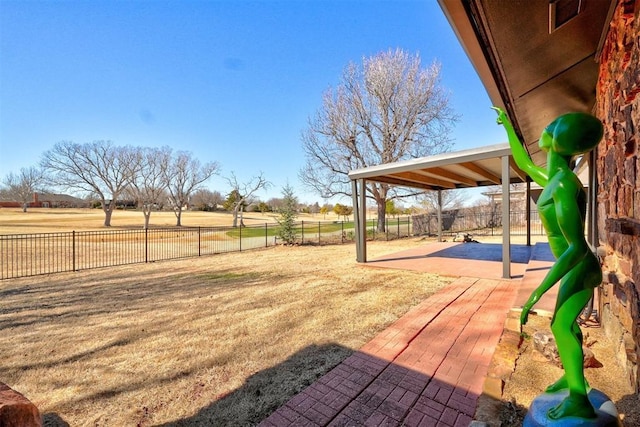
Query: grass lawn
point(41, 220)
point(219, 340)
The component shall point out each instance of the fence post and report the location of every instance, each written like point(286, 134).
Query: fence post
point(146, 245)
point(318, 232)
point(199, 242)
point(73, 250)
point(408, 226)
point(342, 232)
point(386, 228)
point(303, 231)
point(240, 237)
point(266, 233)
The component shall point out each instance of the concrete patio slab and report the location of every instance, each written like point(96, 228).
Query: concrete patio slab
point(481, 260)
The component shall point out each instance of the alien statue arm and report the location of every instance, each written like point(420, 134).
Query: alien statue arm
point(520, 155)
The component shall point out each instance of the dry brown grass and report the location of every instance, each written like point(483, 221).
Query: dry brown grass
point(40, 220)
point(221, 340)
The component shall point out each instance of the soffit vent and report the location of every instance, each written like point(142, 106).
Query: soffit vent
point(563, 11)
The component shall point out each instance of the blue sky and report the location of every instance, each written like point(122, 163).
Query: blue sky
point(231, 81)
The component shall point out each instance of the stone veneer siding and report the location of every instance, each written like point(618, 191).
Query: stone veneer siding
point(618, 170)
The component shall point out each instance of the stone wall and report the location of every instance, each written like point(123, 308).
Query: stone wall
point(618, 169)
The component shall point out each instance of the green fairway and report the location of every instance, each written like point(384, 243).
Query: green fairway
point(270, 230)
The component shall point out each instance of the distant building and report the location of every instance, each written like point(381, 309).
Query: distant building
point(518, 193)
point(45, 200)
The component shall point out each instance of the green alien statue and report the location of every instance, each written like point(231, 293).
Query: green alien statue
point(562, 207)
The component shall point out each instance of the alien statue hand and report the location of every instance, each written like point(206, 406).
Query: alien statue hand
point(526, 309)
point(502, 116)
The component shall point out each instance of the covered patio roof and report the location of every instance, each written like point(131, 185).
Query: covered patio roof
point(490, 165)
point(476, 167)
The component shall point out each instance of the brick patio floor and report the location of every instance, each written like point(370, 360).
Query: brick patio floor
point(427, 369)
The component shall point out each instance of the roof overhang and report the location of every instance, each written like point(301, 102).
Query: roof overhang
point(531, 63)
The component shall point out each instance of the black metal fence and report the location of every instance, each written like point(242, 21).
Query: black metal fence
point(24, 255)
point(479, 224)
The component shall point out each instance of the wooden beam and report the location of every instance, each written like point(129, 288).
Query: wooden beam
point(482, 171)
point(452, 176)
point(416, 177)
point(401, 182)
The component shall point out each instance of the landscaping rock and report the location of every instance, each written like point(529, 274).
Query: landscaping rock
point(545, 343)
point(16, 410)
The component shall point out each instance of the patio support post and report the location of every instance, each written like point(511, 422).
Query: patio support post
point(528, 208)
point(356, 215)
point(359, 219)
point(439, 215)
point(506, 220)
point(363, 219)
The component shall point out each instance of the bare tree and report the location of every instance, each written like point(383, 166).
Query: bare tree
point(275, 203)
point(98, 168)
point(244, 192)
point(149, 186)
point(185, 175)
point(205, 199)
point(447, 199)
point(23, 185)
point(389, 109)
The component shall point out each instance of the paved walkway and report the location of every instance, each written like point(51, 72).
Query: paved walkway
point(427, 369)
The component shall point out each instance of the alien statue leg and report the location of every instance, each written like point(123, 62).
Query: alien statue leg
point(574, 293)
point(562, 384)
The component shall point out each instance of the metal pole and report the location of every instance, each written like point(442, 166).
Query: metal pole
point(528, 213)
point(386, 228)
point(73, 250)
point(356, 220)
point(439, 215)
point(363, 218)
point(266, 235)
point(506, 220)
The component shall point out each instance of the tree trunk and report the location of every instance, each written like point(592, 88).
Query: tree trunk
point(147, 216)
point(108, 211)
point(382, 213)
point(179, 217)
point(24, 207)
point(235, 216)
